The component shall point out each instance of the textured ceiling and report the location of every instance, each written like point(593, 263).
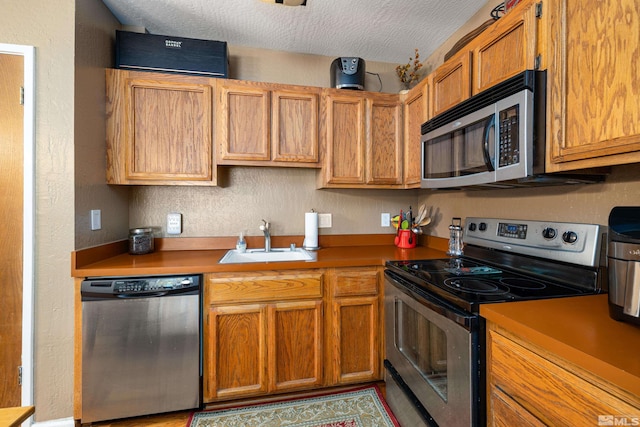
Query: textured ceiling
point(376, 30)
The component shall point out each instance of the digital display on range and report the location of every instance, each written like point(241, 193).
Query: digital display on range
point(514, 231)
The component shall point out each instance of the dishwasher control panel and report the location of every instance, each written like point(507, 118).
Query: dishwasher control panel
point(132, 286)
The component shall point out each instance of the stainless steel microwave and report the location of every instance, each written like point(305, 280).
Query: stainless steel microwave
point(495, 139)
point(492, 139)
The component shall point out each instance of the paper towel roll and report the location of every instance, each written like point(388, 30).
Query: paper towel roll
point(310, 231)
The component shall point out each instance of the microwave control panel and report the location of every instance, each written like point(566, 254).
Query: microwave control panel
point(509, 146)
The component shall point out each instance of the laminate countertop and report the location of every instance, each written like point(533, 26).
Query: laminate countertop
point(578, 330)
point(195, 257)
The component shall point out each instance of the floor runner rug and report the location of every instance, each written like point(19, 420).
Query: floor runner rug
point(363, 407)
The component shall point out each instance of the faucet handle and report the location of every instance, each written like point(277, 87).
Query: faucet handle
point(265, 225)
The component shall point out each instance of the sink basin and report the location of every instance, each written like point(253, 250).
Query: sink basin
point(259, 255)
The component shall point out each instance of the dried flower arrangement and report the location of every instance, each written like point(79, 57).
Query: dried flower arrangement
point(407, 77)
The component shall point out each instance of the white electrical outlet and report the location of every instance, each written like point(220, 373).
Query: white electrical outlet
point(324, 220)
point(385, 220)
point(174, 223)
point(96, 219)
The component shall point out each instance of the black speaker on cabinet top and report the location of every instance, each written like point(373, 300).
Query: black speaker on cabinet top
point(151, 52)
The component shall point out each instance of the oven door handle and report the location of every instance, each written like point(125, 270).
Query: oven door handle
point(432, 302)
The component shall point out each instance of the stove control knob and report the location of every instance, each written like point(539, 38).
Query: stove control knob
point(569, 237)
point(549, 233)
point(483, 226)
point(472, 226)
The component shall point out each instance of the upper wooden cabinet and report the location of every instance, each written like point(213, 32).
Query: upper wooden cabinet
point(361, 139)
point(507, 47)
point(159, 129)
point(416, 112)
point(451, 82)
point(262, 124)
point(593, 83)
point(294, 125)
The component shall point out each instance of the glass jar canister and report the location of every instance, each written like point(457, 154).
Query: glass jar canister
point(455, 238)
point(140, 241)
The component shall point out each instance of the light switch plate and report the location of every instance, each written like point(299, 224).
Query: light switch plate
point(385, 220)
point(174, 223)
point(96, 219)
point(324, 220)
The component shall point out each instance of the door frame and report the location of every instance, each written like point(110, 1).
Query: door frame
point(28, 237)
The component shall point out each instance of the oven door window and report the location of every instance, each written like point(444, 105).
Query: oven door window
point(425, 346)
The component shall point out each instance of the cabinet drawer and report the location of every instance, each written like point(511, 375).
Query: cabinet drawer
point(505, 412)
point(356, 282)
point(262, 286)
point(550, 393)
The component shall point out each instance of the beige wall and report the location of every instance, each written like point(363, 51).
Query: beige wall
point(581, 203)
point(95, 36)
point(49, 26)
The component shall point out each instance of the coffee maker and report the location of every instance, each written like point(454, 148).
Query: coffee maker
point(624, 264)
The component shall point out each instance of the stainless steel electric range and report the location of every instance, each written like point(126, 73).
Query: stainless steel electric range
point(435, 353)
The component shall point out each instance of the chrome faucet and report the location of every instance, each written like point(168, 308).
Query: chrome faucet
point(264, 227)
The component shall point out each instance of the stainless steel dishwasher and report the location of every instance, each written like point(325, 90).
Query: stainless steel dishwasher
point(141, 346)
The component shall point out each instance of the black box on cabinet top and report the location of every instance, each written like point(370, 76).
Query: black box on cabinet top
point(151, 52)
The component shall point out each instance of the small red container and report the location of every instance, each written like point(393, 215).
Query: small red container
point(406, 239)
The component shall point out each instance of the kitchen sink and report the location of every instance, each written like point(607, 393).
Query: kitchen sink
point(259, 255)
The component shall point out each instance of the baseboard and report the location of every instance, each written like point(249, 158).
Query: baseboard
point(64, 422)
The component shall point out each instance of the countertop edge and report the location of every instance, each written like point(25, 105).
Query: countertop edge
point(599, 367)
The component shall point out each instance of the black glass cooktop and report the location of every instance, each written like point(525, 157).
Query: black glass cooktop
point(468, 282)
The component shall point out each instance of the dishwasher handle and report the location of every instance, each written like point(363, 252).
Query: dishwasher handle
point(144, 295)
point(96, 296)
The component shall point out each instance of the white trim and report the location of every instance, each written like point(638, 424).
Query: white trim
point(63, 422)
point(28, 238)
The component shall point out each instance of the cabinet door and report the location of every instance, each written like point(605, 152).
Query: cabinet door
point(384, 140)
point(159, 129)
point(452, 82)
point(235, 353)
point(295, 126)
point(593, 84)
point(243, 122)
point(344, 138)
point(356, 326)
point(416, 112)
point(295, 345)
point(357, 348)
point(506, 48)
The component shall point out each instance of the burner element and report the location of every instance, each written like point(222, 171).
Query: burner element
point(475, 285)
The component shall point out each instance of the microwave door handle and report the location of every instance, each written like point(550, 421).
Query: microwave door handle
point(491, 123)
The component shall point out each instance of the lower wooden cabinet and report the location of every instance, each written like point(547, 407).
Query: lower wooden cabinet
point(530, 386)
point(355, 329)
point(268, 332)
point(263, 333)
